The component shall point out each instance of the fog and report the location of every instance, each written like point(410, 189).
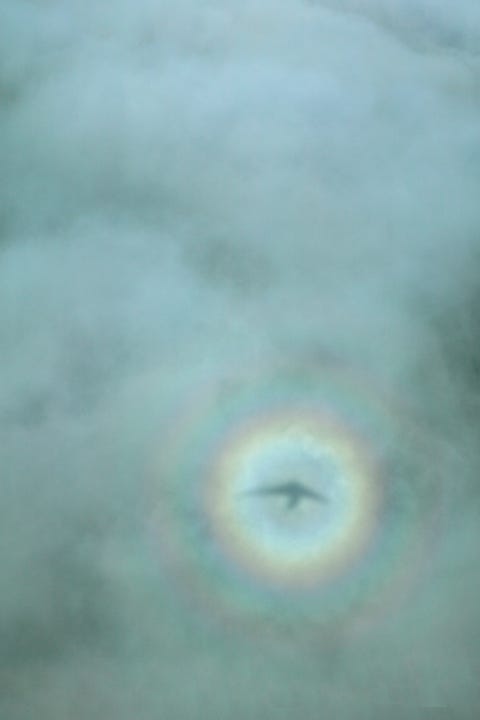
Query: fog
point(196, 194)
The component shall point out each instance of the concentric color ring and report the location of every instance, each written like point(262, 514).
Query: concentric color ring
point(282, 495)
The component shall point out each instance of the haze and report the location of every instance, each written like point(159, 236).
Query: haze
point(195, 191)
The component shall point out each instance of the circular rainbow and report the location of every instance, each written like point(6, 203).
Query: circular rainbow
point(227, 530)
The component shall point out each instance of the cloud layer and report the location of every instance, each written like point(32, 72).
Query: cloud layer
point(195, 193)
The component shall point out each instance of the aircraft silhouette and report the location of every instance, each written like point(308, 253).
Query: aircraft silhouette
point(293, 491)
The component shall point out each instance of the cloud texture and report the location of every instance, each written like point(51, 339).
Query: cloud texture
point(194, 193)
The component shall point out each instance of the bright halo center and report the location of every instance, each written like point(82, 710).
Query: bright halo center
point(292, 500)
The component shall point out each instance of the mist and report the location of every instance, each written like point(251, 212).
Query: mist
point(196, 195)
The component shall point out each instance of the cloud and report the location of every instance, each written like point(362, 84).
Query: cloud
point(196, 195)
